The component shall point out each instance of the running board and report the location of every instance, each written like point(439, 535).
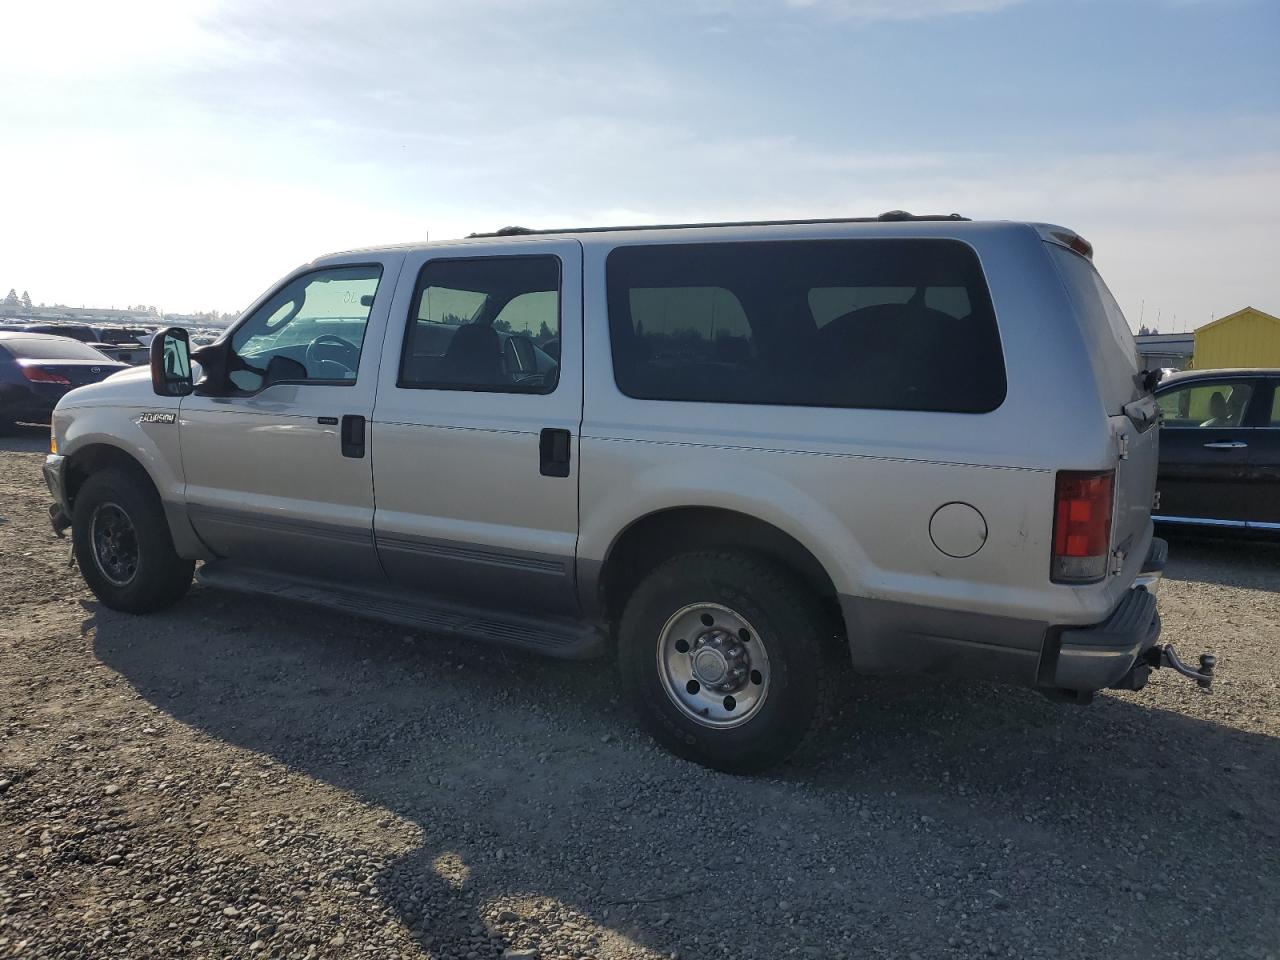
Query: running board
point(553, 636)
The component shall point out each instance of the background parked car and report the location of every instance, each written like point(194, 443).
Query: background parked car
point(131, 353)
point(129, 344)
point(37, 369)
point(1220, 450)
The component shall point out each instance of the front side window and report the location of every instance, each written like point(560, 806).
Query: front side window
point(1208, 405)
point(883, 324)
point(486, 323)
point(315, 324)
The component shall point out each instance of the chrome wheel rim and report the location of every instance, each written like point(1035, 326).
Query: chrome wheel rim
point(115, 544)
point(713, 665)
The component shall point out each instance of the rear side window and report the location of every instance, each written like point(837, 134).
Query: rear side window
point(880, 324)
point(489, 324)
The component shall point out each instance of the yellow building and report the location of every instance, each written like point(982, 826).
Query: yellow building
point(1246, 338)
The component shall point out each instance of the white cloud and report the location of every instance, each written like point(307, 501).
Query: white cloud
point(77, 38)
point(189, 153)
point(900, 9)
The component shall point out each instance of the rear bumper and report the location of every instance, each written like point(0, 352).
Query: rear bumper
point(20, 403)
point(1092, 658)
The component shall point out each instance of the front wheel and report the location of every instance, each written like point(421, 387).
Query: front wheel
point(123, 546)
point(724, 656)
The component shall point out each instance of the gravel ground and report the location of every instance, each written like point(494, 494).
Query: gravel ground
point(241, 777)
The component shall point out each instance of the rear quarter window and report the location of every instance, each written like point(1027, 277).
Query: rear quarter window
point(878, 324)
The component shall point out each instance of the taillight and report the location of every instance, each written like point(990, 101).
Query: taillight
point(1082, 526)
point(41, 375)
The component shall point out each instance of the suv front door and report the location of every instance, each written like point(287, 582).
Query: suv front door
point(278, 462)
point(477, 418)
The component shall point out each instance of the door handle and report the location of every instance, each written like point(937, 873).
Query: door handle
point(352, 436)
point(553, 452)
point(1226, 445)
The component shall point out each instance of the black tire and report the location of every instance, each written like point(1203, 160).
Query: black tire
point(159, 576)
point(790, 623)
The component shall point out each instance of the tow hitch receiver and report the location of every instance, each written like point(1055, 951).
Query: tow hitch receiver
point(1163, 655)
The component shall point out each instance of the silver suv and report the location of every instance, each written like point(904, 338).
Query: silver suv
point(732, 455)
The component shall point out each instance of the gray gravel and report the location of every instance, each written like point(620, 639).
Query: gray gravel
point(241, 777)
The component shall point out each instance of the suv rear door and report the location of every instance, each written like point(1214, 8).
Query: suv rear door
point(1264, 457)
point(1204, 449)
point(477, 420)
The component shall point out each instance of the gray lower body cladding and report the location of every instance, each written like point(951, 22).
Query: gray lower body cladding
point(887, 637)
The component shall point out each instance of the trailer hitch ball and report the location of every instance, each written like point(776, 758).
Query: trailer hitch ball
point(1166, 656)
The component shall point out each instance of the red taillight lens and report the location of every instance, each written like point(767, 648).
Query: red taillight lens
point(1082, 526)
point(41, 375)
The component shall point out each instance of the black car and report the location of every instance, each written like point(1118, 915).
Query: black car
point(128, 353)
point(36, 370)
point(1220, 449)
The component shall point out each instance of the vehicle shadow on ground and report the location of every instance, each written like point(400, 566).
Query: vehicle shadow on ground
point(528, 781)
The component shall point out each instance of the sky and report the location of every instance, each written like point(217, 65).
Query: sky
point(188, 154)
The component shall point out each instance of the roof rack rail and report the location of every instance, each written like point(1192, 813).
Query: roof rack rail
point(891, 216)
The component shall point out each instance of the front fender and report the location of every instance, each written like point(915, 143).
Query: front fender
point(148, 435)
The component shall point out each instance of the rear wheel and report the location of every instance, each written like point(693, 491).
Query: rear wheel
point(724, 656)
point(122, 544)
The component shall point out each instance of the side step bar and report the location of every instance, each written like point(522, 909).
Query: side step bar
point(561, 637)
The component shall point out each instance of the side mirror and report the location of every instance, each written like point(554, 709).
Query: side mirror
point(552, 349)
point(171, 363)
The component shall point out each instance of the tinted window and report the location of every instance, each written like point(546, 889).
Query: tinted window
point(1275, 409)
point(317, 320)
point(490, 323)
point(887, 324)
point(56, 348)
point(1208, 404)
point(83, 334)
